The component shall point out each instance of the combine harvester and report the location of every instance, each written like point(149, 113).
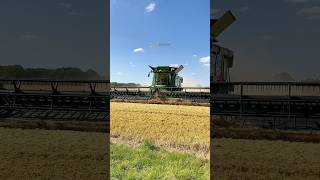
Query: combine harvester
point(284, 105)
point(166, 84)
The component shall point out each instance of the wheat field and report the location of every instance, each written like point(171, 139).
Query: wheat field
point(53, 154)
point(177, 126)
point(264, 159)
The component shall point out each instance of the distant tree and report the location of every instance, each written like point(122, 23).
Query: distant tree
point(11, 71)
point(39, 73)
point(68, 73)
point(116, 84)
point(283, 77)
point(312, 80)
point(91, 74)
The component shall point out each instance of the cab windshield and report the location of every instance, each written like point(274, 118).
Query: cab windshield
point(162, 78)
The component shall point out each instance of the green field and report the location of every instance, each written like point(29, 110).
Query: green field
point(149, 162)
point(263, 159)
point(53, 154)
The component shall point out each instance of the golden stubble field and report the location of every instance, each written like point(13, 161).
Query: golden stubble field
point(172, 126)
point(53, 154)
point(264, 159)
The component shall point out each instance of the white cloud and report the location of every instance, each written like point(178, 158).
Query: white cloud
point(119, 73)
point(69, 8)
point(132, 64)
point(195, 55)
point(29, 36)
point(243, 9)
point(266, 37)
point(66, 5)
point(151, 7)
point(207, 65)
point(310, 13)
point(74, 13)
point(205, 61)
point(138, 50)
point(316, 17)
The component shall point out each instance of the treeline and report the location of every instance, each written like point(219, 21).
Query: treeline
point(65, 73)
point(116, 84)
point(286, 77)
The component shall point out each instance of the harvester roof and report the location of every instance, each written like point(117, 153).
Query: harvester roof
point(169, 69)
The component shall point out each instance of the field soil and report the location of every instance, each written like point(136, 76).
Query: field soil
point(264, 159)
point(53, 154)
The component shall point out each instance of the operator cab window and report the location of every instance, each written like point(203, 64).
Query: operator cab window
point(164, 78)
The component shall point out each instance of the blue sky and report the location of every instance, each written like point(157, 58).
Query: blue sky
point(271, 37)
point(159, 32)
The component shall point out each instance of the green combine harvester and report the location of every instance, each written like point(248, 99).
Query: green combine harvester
point(166, 84)
point(166, 77)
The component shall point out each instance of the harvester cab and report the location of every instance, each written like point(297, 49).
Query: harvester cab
point(166, 77)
